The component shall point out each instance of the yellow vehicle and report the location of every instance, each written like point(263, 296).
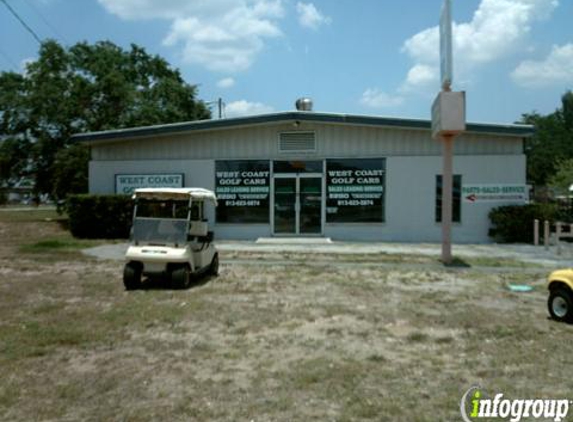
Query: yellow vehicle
point(560, 302)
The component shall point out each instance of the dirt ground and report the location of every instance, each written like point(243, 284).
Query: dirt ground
point(308, 338)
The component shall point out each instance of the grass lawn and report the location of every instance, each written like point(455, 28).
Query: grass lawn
point(321, 342)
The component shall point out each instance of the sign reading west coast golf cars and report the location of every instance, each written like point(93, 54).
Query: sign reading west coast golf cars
point(495, 193)
point(127, 183)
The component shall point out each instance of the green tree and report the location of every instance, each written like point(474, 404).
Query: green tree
point(69, 170)
point(87, 87)
point(567, 110)
point(13, 160)
point(563, 177)
point(552, 142)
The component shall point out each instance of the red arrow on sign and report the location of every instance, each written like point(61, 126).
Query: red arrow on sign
point(471, 198)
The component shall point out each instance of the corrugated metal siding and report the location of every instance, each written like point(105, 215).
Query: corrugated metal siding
point(331, 141)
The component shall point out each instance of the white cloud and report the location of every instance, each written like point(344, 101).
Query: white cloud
point(557, 68)
point(420, 75)
point(25, 62)
point(172, 9)
point(374, 98)
point(498, 28)
point(310, 17)
point(246, 108)
point(226, 83)
point(221, 35)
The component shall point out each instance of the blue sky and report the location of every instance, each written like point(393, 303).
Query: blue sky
point(373, 57)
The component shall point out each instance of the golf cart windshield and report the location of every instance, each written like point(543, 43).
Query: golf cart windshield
point(162, 209)
point(161, 222)
point(160, 230)
point(165, 215)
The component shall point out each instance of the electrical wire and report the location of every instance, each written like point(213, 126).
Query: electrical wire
point(46, 22)
point(24, 24)
point(9, 60)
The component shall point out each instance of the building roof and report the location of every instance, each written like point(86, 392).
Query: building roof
point(293, 117)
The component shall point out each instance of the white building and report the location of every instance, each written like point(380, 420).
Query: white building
point(305, 173)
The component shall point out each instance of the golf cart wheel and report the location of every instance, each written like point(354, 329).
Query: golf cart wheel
point(132, 276)
point(214, 267)
point(181, 277)
point(560, 304)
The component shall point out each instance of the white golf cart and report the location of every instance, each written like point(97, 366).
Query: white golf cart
point(170, 237)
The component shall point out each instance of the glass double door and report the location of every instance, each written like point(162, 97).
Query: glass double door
point(298, 204)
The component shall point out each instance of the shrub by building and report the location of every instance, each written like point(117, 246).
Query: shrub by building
point(100, 216)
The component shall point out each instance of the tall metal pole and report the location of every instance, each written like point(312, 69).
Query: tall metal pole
point(446, 76)
point(447, 187)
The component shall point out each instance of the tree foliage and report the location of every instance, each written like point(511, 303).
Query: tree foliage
point(514, 223)
point(70, 175)
point(552, 142)
point(86, 87)
point(563, 177)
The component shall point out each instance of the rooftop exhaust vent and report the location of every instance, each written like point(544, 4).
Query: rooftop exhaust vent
point(304, 104)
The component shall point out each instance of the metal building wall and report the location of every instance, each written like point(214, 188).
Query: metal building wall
point(411, 196)
point(413, 160)
point(200, 173)
point(261, 142)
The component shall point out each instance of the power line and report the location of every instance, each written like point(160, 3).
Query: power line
point(24, 24)
point(9, 60)
point(48, 24)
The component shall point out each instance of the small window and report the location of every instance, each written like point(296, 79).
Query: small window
point(456, 198)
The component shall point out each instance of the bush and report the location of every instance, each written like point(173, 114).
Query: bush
point(100, 216)
point(514, 223)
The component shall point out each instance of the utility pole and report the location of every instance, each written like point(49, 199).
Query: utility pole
point(220, 106)
point(448, 121)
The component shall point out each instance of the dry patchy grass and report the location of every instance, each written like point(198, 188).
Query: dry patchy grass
point(263, 343)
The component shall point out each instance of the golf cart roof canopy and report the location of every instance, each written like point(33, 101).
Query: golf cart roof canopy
point(197, 194)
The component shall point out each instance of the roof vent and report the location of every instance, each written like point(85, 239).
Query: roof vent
point(297, 142)
point(304, 104)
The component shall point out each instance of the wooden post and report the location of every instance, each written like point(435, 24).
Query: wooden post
point(546, 234)
point(536, 232)
point(558, 237)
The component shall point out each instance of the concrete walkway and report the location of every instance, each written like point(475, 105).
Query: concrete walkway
point(524, 253)
point(27, 208)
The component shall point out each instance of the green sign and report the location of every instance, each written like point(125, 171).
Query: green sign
point(127, 183)
point(355, 190)
point(243, 190)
